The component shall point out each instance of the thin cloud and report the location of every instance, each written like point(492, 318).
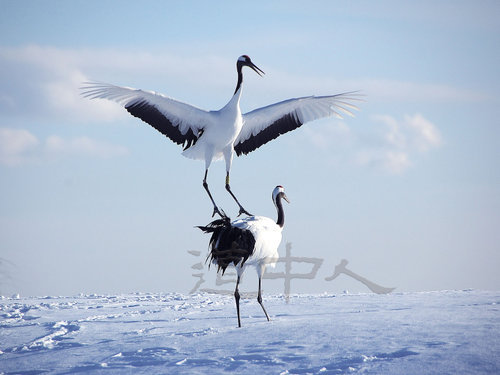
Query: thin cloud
point(391, 145)
point(20, 147)
point(402, 141)
point(82, 146)
point(42, 81)
point(392, 161)
point(323, 134)
point(425, 134)
point(16, 146)
point(413, 132)
point(404, 91)
point(279, 82)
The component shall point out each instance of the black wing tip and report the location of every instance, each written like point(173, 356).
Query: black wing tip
point(292, 121)
point(283, 125)
point(148, 113)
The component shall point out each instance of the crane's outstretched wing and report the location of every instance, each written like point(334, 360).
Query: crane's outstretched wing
point(267, 123)
point(181, 122)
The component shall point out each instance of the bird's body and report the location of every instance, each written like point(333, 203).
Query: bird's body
point(251, 241)
point(212, 135)
point(219, 136)
point(267, 235)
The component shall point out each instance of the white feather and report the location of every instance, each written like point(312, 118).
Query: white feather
point(305, 109)
point(183, 115)
point(267, 235)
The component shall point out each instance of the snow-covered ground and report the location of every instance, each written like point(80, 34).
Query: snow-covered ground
point(449, 332)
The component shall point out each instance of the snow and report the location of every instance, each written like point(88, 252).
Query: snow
point(446, 332)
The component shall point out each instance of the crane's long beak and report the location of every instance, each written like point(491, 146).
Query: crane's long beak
point(285, 197)
point(256, 69)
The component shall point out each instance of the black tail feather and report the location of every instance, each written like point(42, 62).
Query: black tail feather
point(228, 244)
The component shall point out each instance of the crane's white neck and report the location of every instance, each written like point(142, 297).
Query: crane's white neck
point(235, 100)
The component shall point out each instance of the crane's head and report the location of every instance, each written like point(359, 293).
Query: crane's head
point(244, 60)
point(279, 193)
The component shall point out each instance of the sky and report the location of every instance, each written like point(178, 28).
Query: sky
point(92, 200)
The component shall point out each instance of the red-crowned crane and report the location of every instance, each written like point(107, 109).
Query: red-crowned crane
point(212, 135)
point(253, 240)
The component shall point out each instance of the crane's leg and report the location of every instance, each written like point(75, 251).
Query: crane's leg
point(259, 299)
point(228, 188)
point(228, 156)
point(205, 185)
point(237, 298)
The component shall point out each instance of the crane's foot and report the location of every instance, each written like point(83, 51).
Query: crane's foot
point(243, 211)
point(220, 212)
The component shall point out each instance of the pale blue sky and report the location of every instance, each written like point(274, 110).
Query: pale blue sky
point(94, 200)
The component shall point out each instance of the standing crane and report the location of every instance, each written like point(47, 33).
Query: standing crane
point(253, 240)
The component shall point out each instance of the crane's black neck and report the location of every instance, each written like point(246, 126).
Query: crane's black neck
point(281, 213)
point(239, 65)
